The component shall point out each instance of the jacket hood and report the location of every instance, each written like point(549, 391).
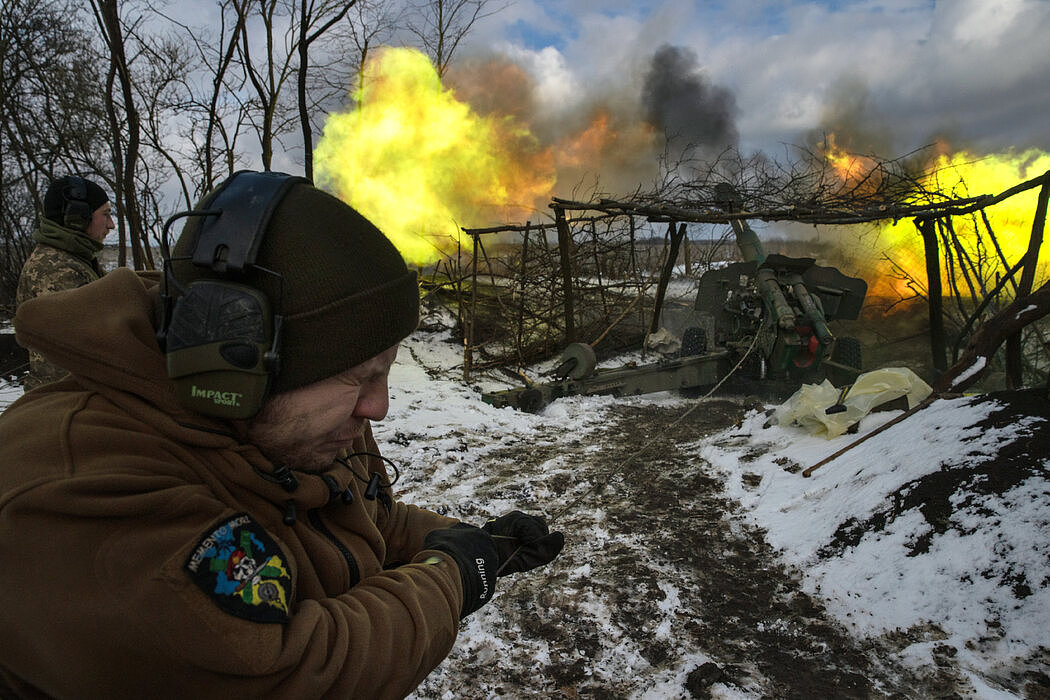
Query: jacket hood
point(70, 240)
point(104, 335)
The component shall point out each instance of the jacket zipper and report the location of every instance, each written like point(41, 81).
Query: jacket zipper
point(351, 563)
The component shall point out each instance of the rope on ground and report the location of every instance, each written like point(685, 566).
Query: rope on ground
point(603, 477)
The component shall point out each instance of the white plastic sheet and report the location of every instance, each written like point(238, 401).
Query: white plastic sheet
point(808, 406)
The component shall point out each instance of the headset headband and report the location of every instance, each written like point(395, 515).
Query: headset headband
point(248, 200)
point(76, 190)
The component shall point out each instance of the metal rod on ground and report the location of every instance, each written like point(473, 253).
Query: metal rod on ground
point(914, 409)
point(605, 475)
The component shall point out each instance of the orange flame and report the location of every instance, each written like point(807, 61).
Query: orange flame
point(961, 175)
point(585, 148)
point(419, 163)
point(898, 247)
point(855, 171)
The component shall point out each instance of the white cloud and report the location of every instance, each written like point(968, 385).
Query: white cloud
point(973, 66)
point(556, 84)
point(984, 23)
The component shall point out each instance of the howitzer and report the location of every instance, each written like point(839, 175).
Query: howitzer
point(767, 315)
point(583, 379)
point(799, 298)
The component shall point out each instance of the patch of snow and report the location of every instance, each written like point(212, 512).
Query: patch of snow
point(977, 366)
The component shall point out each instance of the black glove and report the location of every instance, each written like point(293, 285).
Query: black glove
point(523, 542)
point(475, 553)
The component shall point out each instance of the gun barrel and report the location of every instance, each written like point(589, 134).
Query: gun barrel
point(778, 305)
point(729, 200)
point(747, 241)
point(820, 325)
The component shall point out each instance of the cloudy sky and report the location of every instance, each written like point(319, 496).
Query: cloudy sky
point(893, 75)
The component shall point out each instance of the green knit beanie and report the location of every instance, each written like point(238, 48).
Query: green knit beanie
point(344, 291)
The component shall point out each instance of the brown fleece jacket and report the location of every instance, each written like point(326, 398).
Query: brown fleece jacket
point(144, 549)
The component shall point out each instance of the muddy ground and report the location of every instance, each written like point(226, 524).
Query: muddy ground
point(663, 577)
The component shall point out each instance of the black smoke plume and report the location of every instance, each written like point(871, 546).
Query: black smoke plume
point(692, 113)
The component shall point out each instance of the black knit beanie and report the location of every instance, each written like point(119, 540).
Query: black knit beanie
point(61, 192)
point(344, 291)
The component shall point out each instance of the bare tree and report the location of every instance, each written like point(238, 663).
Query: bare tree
point(314, 22)
point(125, 134)
point(212, 118)
point(441, 24)
point(52, 117)
point(160, 82)
point(369, 26)
point(270, 57)
point(268, 71)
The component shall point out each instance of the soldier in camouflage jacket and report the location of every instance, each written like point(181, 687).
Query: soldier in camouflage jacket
point(76, 219)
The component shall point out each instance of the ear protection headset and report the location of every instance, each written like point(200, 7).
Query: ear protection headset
point(220, 337)
point(77, 211)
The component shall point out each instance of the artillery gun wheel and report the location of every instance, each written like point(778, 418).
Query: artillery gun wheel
point(578, 361)
point(531, 401)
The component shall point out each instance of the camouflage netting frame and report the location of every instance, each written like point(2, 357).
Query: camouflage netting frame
point(532, 290)
point(524, 292)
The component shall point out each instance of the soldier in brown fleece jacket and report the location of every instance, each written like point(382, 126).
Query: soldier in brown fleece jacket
point(170, 529)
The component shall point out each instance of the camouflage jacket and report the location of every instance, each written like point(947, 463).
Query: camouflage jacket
point(50, 269)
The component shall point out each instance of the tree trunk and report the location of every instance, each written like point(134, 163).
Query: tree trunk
point(935, 295)
point(665, 275)
point(125, 164)
point(564, 240)
point(986, 341)
point(300, 83)
point(1014, 363)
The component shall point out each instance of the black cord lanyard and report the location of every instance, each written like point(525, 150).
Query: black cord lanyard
point(372, 484)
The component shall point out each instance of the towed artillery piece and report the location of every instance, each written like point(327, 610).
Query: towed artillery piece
point(764, 320)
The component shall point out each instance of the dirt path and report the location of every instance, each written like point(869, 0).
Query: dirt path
point(662, 586)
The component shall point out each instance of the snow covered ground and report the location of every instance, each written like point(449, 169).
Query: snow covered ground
point(917, 563)
point(905, 538)
point(980, 572)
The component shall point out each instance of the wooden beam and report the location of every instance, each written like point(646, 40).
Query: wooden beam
point(934, 293)
point(665, 275)
point(1014, 363)
point(564, 242)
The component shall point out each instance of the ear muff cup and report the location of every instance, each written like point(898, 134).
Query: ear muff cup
point(220, 334)
point(77, 212)
point(218, 349)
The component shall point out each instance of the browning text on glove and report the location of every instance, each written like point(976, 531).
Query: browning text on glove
point(475, 553)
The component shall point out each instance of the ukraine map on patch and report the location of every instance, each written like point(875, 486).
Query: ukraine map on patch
point(243, 570)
